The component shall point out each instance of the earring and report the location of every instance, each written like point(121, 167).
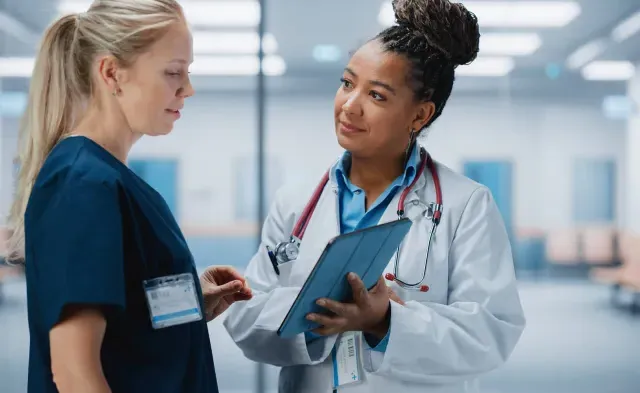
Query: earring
point(411, 140)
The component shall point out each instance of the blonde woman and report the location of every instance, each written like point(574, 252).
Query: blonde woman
point(114, 301)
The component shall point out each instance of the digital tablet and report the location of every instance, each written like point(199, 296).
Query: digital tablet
point(366, 252)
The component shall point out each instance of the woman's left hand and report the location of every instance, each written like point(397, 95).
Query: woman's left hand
point(368, 313)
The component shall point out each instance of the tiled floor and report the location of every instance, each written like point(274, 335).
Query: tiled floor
point(574, 343)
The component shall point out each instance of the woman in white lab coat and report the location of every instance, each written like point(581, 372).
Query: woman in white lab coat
point(463, 317)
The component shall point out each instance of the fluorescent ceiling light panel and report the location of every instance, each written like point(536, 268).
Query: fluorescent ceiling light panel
point(22, 67)
point(618, 107)
point(487, 67)
point(326, 53)
point(608, 71)
point(509, 44)
point(232, 43)
point(16, 67)
point(586, 53)
point(626, 28)
point(541, 14)
point(237, 65)
point(240, 13)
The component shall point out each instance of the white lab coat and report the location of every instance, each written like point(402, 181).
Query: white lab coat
point(467, 324)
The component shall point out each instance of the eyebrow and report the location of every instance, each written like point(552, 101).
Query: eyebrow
point(373, 82)
point(181, 61)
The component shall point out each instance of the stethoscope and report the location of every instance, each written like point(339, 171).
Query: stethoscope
point(288, 251)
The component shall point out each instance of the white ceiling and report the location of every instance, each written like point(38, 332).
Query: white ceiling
point(300, 25)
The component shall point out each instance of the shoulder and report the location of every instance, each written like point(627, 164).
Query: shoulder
point(73, 176)
point(294, 195)
point(461, 196)
point(74, 163)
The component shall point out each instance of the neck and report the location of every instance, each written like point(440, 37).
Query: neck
point(111, 132)
point(374, 174)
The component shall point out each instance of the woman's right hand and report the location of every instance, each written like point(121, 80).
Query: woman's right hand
point(221, 287)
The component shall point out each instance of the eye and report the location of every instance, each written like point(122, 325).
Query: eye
point(346, 83)
point(377, 96)
point(172, 73)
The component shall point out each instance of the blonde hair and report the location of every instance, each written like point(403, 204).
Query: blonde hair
point(62, 82)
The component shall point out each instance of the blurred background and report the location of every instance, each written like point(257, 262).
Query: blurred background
point(548, 117)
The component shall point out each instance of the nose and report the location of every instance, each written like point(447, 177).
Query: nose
point(187, 90)
point(352, 105)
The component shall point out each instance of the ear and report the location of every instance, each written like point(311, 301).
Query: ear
point(111, 74)
point(425, 112)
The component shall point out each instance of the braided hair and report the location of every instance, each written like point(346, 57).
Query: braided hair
point(435, 36)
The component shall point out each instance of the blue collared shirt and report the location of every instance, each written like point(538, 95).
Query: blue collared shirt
point(353, 212)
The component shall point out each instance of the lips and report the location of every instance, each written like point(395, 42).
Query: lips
point(173, 112)
point(348, 127)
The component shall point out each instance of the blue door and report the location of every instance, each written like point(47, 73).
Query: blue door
point(594, 182)
point(162, 175)
point(497, 176)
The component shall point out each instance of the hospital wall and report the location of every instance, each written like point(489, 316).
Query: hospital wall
point(632, 178)
point(542, 139)
point(214, 145)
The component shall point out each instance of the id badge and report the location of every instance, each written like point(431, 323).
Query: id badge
point(172, 300)
point(346, 360)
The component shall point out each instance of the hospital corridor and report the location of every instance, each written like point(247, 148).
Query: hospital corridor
point(546, 119)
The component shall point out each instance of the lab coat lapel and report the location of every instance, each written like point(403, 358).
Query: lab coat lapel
point(391, 212)
point(322, 227)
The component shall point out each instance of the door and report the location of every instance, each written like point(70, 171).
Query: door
point(498, 177)
point(594, 182)
point(162, 175)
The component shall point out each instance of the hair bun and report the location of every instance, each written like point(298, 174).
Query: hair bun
point(449, 27)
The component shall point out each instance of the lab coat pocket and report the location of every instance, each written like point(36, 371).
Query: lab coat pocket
point(285, 273)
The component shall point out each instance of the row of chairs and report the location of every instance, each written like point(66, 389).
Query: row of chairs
point(594, 245)
point(625, 276)
point(612, 257)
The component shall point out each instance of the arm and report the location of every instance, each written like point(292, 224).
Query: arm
point(75, 352)
point(253, 324)
point(78, 271)
point(479, 327)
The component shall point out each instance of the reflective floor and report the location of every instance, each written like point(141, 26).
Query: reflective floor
point(575, 342)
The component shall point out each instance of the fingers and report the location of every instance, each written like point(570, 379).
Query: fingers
point(229, 288)
point(227, 273)
point(393, 296)
point(338, 308)
point(360, 292)
point(329, 325)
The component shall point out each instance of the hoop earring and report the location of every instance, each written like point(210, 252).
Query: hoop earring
point(412, 138)
point(409, 146)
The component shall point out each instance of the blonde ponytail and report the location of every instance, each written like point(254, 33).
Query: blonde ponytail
point(47, 116)
point(62, 82)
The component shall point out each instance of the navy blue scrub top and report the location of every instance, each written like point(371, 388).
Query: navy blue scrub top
point(94, 231)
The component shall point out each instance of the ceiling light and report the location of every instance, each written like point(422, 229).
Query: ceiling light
point(16, 67)
point(509, 44)
point(237, 65)
point(19, 67)
point(626, 28)
point(586, 53)
point(326, 53)
point(618, 107)
point(608, 71)
point(239, 13)
point(509, 14)
point(487, 66)
point(232, 43)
